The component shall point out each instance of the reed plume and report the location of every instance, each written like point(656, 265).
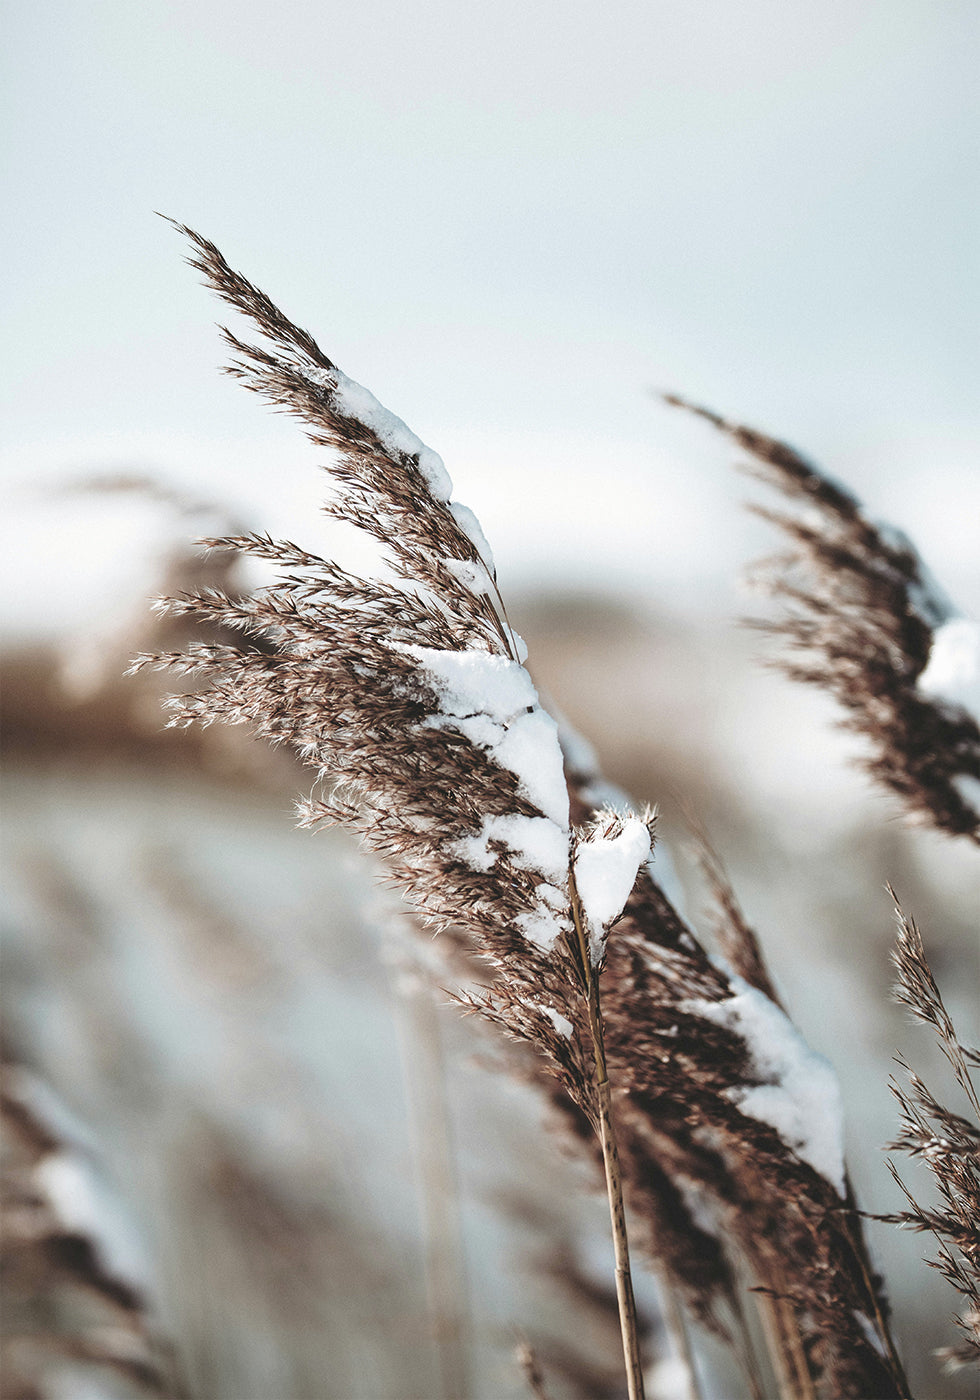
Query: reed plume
point(407, 695)
point(863, 619)
point(730, 1128)
point(77, 1314)
point(947, 1142)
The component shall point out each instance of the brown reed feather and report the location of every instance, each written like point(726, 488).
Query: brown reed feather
point(948, 1143)
point(67, 1307)
point(859, 615)
point(352, 673)
point(373, 682)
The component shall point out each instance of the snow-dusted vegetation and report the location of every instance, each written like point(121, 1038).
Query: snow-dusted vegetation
point(337, 1197)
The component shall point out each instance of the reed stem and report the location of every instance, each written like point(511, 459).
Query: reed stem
point(610, 1162)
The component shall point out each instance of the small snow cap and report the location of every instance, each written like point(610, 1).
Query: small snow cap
point(607, 859)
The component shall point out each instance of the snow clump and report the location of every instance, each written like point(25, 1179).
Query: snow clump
point(491, 700)
point(352, 400)
point(799, 1095)
point(607, 862)
point(953, 671)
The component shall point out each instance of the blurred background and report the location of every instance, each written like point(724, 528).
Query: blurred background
point(514, 224)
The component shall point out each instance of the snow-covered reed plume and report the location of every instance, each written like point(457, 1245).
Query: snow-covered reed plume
point(409, 697)
point(947, 1142)
point(864, 620)
point(407, 694)
point(731, 1137)
point(732, 1141)
point(76, 1288)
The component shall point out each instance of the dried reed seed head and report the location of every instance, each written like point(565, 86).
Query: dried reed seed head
point(406, 693)
point(686, 1070)
point(410, 697)
point(72, 1302)
point(946, 1141)
point(862, 619)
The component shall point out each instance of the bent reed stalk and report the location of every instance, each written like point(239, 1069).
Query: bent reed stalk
point(610, 1160)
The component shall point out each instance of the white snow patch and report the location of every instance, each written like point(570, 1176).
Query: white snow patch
point(555, 897)
point(354, 401)
point(533, 843)
point(540, 926)
point(800, 1096)
point(82, 1204)
point(471, 574)
point(536, 843)
point(492, 700)
point(470, 527)
point(530, 749)
point(561, 1023)
point(472, 682)
point(953, 670)
point(606, 868)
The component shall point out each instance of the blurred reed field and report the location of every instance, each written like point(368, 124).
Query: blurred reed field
point(253, 1148)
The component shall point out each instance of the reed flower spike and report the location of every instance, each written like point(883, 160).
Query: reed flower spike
point(406, 693)
point(409, 697)
point(862, 618)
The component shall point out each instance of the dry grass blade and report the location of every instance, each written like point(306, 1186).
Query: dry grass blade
point(917, 989)
point(610, 1153)
point(735, 936)
point(862, 619)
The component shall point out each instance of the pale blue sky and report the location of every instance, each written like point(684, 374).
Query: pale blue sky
point(510, 221)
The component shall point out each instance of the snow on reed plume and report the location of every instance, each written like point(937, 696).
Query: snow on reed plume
point(878, 633)
point(864, 620)
point(410, 701)
point(408, 697)
point(77, 1290)
point(414, 703)
point(730, 1133)
point(948, 1143)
